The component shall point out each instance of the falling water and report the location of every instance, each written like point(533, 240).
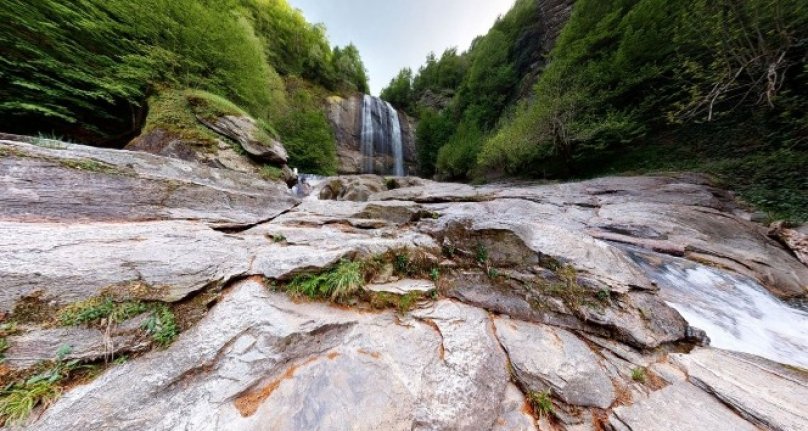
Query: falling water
point(735, 311)
point(381, 136)
point(367, 134)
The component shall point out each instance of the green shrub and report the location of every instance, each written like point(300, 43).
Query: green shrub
point(338, 284)
point(306, 132)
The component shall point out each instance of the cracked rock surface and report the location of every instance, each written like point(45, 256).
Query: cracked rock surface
point(544, 307)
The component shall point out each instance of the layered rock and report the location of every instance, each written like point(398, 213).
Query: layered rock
point(542, 307)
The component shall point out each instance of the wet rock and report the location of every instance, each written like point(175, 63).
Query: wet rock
point(433, 192)
point(355, 188)
point(796, 239)
point(547, 358)
point(766, 393)
point(679, 407)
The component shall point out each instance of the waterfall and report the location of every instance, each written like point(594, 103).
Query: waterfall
point(367, 134)
point(736, 312)
point(398, 150)
point(381, 139)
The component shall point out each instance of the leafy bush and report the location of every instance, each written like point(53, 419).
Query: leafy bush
point(306, 132)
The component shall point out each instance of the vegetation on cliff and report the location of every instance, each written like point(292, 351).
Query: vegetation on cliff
point(631, 86)
point(86, 69)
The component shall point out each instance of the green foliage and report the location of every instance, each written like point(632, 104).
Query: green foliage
point(542, 403)
point(101, 59)
point(434, 130)
point(338, 284)
point(17, 401)
point(96, 309)
point(399, 91)
point(306, 132)
point(638, 375)
point(481, 254)
point(162, 325)
point(271, 173)
point(99, 71)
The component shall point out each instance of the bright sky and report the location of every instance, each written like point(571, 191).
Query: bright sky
point(392, 34)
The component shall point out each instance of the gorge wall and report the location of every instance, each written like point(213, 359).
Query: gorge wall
point(372, 137)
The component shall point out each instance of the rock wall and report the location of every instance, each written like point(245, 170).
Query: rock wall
point(345, 115)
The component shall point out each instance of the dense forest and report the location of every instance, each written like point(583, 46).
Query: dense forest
point(719, 86)
point(99, 71)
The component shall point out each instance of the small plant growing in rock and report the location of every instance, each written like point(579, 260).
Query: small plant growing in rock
point(337, 284)
point(603, 295)
point(390, 183)
point(162, 325)
point(96, 309)
point(481, 254)
point(542, 403)
point(277, 238)
point(638, 375)
point(18, 399)
point(270, 173)
point(449, 250)
point(434, 274)
point(493, 273)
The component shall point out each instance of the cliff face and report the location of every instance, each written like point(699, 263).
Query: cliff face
point(346, 116)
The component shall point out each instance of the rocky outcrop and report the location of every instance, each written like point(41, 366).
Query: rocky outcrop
point(242, 147)
point(345, 115)
point(530, 307)
point(244, 131)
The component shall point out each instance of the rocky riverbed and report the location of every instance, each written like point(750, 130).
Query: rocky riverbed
point(581, 306)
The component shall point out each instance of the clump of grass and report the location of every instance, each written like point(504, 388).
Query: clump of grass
point(434, 274)
point(278, 238)
point(162, 325)
point(18, 399)
point(542, 403)
point(95, 310)
point(481, 254)
point(638, 375)
point(271, 173)
point(402, 303)
point(87, 165)
point(338, 284)
point(6, 329)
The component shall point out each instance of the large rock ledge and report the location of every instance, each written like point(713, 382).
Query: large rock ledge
point(555, 306)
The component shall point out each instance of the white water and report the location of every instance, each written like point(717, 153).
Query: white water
point(306, 187)
point(381, 136)
point(395, 134)
point(735, 311)
point(367, 135)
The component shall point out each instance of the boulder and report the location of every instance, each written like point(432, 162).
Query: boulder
point(254, 141)
point(546, 358)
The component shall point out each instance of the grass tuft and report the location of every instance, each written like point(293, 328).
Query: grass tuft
point(638, 375)
point(338, 284)
point(542, 403)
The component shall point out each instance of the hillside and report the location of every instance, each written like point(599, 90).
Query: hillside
point(103, 72)
point(629, 86)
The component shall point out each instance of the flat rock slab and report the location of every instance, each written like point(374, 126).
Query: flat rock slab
point(86, 344)
point(68, 183)
point(679, 407)
point(768, 394)
point(167, 260)
point(545, 358)
point(259, 361)
point(403, 287)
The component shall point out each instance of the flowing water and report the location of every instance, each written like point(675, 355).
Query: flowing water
point(381, 139)
point(735, 311)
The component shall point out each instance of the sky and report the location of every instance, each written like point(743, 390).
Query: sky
point(393, 34)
